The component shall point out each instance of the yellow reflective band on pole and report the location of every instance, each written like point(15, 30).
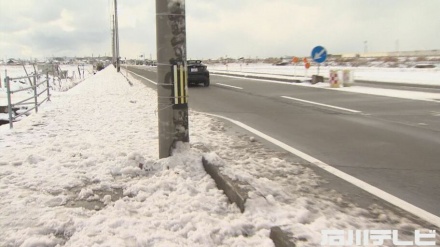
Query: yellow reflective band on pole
point(186, 83)
point(176, 93)
point(182, 82)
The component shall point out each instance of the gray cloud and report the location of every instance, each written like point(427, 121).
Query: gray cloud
point(218, 28)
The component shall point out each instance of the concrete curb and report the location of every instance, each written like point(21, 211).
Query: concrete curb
point(425, 86)
point(238, 195)
point(128, 80)
point(234, 193)
point(280, 238)
point(267, 77)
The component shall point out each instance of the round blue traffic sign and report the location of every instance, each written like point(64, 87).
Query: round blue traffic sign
point(319, 54)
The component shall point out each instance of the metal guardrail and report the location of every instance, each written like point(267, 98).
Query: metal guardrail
point(33, 100)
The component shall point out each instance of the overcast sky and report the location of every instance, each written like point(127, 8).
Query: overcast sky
point(219, 28)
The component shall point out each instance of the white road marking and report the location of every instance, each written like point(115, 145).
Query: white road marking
point(320, 104)
point(410, 95)
point(155, 83)
point(226, 85)
point(431, 218)
point(261, 79)
point(435, 113)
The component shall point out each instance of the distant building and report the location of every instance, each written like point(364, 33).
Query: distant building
point(424, 53)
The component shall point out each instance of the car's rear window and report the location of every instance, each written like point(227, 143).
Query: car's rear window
point(194, 62)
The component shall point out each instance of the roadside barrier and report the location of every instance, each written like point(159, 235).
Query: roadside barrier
point(341, 77)
point(33, 100)
point(334, 78)
point(347, 78)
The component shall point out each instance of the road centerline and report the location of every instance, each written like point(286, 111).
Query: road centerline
point(320, 104)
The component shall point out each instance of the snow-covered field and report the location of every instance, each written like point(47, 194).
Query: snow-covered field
point(18, 71)
point(399, 75)
point(70, 176)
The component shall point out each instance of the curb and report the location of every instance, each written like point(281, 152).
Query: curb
point(425, 86)
point(239, 196)
point(280, 238)
point(233, 192)
point(128, 80)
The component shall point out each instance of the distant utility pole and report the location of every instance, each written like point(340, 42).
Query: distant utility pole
point(118, 68)
point(172, 84)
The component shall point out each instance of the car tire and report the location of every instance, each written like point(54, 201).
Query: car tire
point(206, 83)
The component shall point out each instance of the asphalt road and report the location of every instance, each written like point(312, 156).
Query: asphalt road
point(390, 143)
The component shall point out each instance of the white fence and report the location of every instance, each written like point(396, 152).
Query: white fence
point(37, 88)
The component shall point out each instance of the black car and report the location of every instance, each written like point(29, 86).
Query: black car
point(197, 73)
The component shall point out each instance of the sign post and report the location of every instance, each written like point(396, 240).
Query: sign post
point(306, 65)
point(295, 61)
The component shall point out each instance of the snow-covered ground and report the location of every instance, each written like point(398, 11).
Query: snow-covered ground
point(392, 75)
point(70, 176)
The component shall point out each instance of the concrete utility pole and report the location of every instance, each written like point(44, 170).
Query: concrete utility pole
point(113, 42)
point(172, 79)
point(118, 68)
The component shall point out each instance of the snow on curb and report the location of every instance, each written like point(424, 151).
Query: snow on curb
point(237, 192)
point(232, 190)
